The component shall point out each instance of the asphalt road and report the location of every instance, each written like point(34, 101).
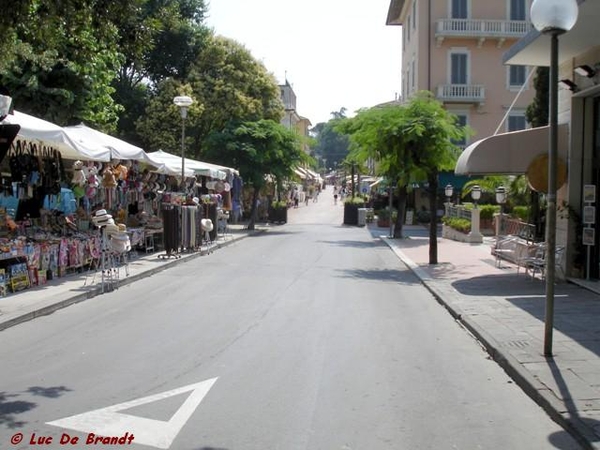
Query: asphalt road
point(311, 336)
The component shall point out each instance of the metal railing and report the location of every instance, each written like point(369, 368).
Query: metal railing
point(459, 212)
point(516, 227)
point(471, 93)
point(483, 28)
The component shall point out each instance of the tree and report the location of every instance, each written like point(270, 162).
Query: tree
point(60, 57)
point(537, 111)
point(226, 83)
point(160, 40)
point(408, 140)
point(257, 149)
point(331, 145)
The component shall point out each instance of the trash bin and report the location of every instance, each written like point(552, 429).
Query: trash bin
point(362, 217)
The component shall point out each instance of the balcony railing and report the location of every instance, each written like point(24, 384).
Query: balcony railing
point(481, 29)
point(461, 93)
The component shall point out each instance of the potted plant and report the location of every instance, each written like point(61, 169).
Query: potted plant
point(385, 215)
point(278, 212)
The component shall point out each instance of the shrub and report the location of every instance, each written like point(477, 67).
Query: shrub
point(384, 214)
point(358, 200)
point(279, 204)
point(488, 211)
point(522, 212)
point(423, 216)
point(462, 225)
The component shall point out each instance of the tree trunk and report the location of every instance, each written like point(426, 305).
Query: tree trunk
point(433, 188)
point(402, 195)
point(252, 221)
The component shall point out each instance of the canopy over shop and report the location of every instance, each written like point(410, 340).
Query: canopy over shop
point(62, 185)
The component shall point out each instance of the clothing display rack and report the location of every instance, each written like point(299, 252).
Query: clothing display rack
point(191, 232)
point(171, 231)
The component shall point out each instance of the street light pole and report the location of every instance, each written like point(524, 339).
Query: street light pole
point(553, 17)
point(184, 102)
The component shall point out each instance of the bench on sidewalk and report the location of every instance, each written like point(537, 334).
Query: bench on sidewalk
point(514, 249)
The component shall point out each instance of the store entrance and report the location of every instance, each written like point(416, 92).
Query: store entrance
point(595, 250)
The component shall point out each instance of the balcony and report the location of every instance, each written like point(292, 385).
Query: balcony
point(481, 29)
point(461, 93)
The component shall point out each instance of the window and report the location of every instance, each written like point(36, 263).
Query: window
point(414, 14)
point(517, 122)
point(412, 75)
point(517, 76)
point(408, 28)
point(518, 10)
point(462, 121)
point(458, 68)
point(459, 9)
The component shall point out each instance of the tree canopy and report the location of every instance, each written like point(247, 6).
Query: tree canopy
point(409, 140)
point(257, 149)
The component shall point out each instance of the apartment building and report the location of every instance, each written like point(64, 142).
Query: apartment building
point(454, 49)
point(291, 119)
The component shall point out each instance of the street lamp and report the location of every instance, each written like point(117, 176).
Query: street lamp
point(501, 200)
point(476, 194)
point(5, 101)
point(552, 17)
point(501, 196)
point(448, 190)
point(184, 102)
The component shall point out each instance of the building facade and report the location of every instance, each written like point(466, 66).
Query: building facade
point(291, 119)
point(454, 49)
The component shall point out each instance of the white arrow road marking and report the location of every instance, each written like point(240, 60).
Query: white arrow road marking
point(155, 433)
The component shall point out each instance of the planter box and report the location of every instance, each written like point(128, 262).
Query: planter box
point(278, 215)
point(455, 235)
point(351, 213)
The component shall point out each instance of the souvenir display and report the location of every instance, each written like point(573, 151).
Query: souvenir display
point(60, 217)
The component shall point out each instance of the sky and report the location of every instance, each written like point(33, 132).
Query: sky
point(335, 53)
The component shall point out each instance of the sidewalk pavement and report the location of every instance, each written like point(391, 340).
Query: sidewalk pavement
point(61, 292)
point(505, 311)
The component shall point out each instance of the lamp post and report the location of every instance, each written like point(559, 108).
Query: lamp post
point(552, 17)
point(448, 190)
point(476, 194)
point(184, 102)
point(501, 200)
point(5, 102)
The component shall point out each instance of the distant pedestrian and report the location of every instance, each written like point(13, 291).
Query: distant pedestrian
point(335, 199)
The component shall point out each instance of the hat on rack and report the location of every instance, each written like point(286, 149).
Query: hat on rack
point(226, 187)
point(102, 218)
point(219, 186)
point(206, 224)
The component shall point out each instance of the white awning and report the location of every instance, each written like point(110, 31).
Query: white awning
point(173, 162)
point(301, 174)
point(41, 131)
point(509, 153)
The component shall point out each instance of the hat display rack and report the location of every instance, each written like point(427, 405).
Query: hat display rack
point(114, 248)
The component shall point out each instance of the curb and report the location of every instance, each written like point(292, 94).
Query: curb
point(97, 290)
point(527, 382)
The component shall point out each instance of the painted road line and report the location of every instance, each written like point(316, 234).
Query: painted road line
point(155, 433)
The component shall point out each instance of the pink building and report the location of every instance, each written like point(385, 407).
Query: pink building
point(454, 49)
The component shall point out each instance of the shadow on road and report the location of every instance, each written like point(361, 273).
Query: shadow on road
point(388, 275)
point(354, 244)
point(11, 406)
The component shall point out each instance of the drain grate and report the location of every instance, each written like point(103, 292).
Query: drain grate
point(517, 344)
